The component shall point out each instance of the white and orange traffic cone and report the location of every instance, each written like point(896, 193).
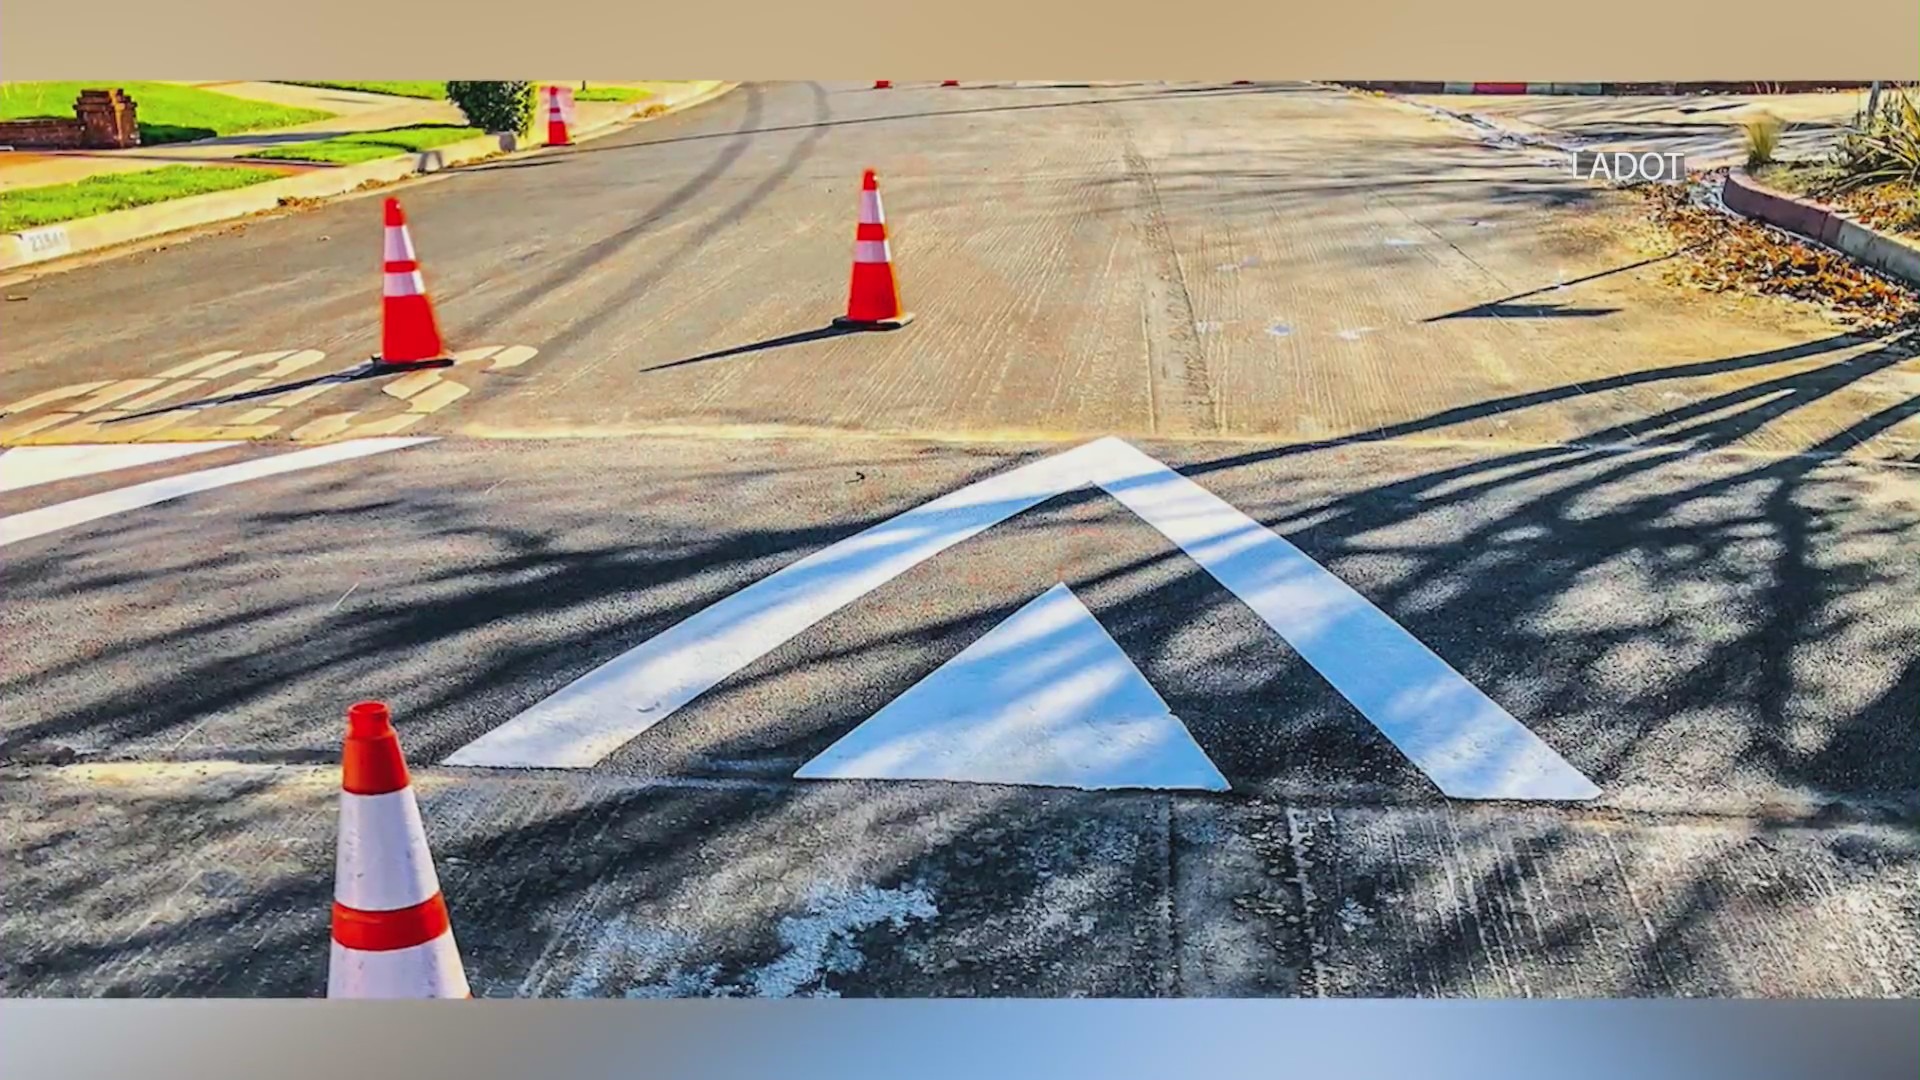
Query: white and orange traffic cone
point(873, 302)
point(556, 120)
point(409, 333)
point(391, 935)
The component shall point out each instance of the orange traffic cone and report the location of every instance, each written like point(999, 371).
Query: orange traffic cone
point(409, 333)
point(874, 302)
point(556, 120)
point(391, 935)
point(883, 84)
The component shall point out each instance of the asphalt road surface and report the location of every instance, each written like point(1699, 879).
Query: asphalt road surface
point(1299, 548)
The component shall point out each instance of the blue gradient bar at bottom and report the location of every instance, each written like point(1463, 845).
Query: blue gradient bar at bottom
point(931, 1040)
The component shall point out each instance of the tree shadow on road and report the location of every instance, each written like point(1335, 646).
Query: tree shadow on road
point(1726, 635)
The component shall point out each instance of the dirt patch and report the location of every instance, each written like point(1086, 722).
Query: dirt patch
point(1721, 253)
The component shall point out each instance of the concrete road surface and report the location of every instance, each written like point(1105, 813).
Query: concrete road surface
point(1298, 549)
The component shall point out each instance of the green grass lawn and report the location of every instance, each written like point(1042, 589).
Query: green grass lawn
point(167, 113)
point(27, 208)
point(609, 93)
point(372, 145)
point(433, 91)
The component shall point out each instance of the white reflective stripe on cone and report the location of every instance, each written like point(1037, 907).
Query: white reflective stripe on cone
point(871, 251)
point(382, 863)
point(408, 284)
point(870, 209)
point(399, 244)
point(431, 970)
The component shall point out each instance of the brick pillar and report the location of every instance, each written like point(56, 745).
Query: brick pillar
point(108, 116)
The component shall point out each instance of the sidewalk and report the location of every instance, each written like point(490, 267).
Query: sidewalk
point(355, 112)
point(1704, 128)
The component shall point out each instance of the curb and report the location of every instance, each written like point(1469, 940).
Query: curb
point(1542, 89)
point(51, 242)
point(1823, 224)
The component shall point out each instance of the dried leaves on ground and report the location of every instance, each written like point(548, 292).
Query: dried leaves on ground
point(1893, 207)
point(1722, 253)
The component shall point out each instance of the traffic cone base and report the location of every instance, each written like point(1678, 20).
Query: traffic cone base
point(894, 323)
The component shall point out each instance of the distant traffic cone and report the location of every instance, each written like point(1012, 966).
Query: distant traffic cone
point(874, 301)
point(556, 119)
point(883, 84)
point(391, 935)
point(951, 82)
point(409, 334)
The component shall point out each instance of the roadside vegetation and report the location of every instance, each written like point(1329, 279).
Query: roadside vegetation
point(1873, 172)
point(430, 91)
point(620, 94)
point(168, 112)
point(27, 208)
point(371, 145)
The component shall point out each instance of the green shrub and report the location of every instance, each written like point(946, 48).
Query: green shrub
point(1883, 148)
point(495, 107)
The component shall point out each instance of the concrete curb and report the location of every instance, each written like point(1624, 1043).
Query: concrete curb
point(102, 231)
point(1823, 224)
point(1542, 89)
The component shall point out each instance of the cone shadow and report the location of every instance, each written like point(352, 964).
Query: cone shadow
point(837, 328)
point(374, 368)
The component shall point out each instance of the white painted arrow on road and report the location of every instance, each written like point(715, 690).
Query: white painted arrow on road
point(1045, 698)
point(1468, 745)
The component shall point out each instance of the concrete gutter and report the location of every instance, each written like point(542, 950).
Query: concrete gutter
point(1823, 224)
point(121, 227)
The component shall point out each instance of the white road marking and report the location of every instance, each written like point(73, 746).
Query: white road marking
point(1466, 744)
point(1469, 746)
point(1046, 698)
point(32, 523)
point(27, 466)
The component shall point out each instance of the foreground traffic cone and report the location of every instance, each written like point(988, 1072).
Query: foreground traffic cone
point(391, 936)
point(556, 120)
point(874, 301)
point(883, 84)
point(409, 333)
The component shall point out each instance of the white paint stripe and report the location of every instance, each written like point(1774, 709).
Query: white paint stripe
point(871, 251)
point(1046, 698)
point(181, 371)
point(399, 244)
point(408, 284)
point(1467, 744)
point(51, 396)
point(431, 970)
point(256, 360)
point(870, 211)
point(26, 526)
point(609, 706)
point(27, 466)
point(1460, 738)
point(382, 863)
